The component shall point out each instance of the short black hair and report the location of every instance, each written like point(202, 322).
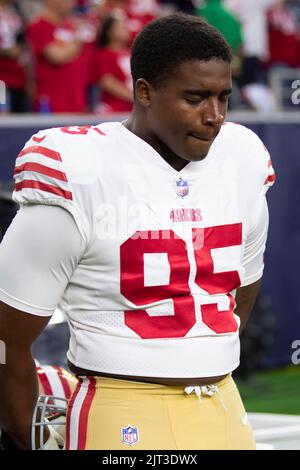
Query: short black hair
point(170, 40)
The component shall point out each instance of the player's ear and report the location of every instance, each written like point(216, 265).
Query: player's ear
point(143, 92)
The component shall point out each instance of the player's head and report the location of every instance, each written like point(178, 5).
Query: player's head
point(182, 79)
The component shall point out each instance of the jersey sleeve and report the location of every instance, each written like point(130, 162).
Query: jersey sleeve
point(38, 256)
point(253, 257)
point(43, 176)
point(270, 173)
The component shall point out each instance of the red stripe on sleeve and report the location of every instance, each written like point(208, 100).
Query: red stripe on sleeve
point(49, 188)
point(41, 151)
point(64, 382)
point(44, 170)
point(270, 179)
point(84, 414)
point(69, 412)
point(38, 139)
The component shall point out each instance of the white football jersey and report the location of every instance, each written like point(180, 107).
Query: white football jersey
point(164, 251)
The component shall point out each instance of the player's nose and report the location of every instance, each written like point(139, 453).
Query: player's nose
point(212, 114)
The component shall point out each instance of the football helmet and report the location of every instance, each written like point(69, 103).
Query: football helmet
point(56, 386)
point(54, 380)
point(50, 411)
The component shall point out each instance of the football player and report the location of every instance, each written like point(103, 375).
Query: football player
point(149, 234)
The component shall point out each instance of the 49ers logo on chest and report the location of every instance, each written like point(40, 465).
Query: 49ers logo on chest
point(186, 215)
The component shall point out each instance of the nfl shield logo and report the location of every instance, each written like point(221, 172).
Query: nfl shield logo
point(130, 435)
point(182, 187)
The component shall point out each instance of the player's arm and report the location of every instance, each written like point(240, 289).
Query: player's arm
point(245, 299)
point(18, 379)
point(38, 256)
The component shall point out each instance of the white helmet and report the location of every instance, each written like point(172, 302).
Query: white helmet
point(54, 380)
point(56, 386)
point(50, 411)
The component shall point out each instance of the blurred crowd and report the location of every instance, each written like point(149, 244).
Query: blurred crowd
point(73, 56)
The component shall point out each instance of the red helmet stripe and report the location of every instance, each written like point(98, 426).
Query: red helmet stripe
point(44, 381)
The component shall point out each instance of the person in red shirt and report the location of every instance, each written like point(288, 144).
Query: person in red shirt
point(139, 14)
point(61, 60)
point(112, 65)
point(12, 58)
point(283, 37)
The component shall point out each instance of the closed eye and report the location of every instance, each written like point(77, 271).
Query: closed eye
point(193, 100)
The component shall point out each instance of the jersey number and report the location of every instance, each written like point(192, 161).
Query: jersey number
point(179, 324)
point(80, 130)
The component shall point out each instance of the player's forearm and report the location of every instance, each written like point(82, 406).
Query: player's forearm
point(18, 380)
point(18, 395)
point(245, 299)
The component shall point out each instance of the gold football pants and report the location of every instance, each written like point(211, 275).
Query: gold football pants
point(113, 414)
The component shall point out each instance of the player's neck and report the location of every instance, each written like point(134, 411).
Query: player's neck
point(138, 127)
